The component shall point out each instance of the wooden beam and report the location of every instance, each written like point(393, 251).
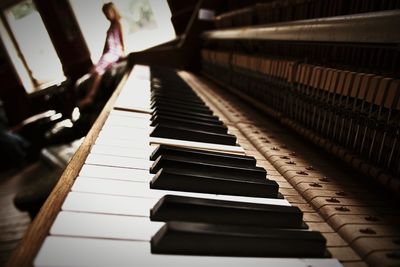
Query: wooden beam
point(375, 28)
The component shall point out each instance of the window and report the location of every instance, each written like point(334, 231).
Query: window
point(31, 47)
point(146, 23)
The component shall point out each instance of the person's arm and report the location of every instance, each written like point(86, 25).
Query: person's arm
point(121, 37)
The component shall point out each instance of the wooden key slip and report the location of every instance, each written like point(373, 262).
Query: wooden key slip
point(305, 207)
point(335, 186)
point(322, 227)
point(357, 196)
point(265, 163)
point(352, 232)
point(296, 180)
point(358, 263)
point(274, 177)
point(338, 221)
point(319, 202)
point(266, 151)
point(299, 178)
point(312, 217)
point(287, 191)
point(290, 169)
point(335, 240)
point(383, 258)
point(336, 196)
point(296, 200)
point(300, 162)
point(344, 254)
point(312, 171)
point(284, 184)
point(251, 150)
point(367, 245)
point(328, 211)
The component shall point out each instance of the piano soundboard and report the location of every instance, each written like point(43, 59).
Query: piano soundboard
point(166, 183)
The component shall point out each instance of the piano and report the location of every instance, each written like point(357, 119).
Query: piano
point(180, 169)
point(165, 182)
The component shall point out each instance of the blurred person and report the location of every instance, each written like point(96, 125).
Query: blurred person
point(113, 50)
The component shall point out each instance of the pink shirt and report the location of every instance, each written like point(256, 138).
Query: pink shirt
point(112, 49)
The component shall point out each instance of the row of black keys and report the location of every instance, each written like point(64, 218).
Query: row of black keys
point(199, 171)
point(216, 227)
point(179, 113)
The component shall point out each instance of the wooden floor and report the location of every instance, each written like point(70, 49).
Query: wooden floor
point(13, 222)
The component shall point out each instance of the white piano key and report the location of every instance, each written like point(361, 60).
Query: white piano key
point(135, 95)
point(132, 114)
point(124, 121)
point(126, 132)
point(198, 145)
point(80, 224)
point(106, 204)
point(127, 122)
point(141, 189)
point(143, 153)
point(128, 115)
point(59, 251)
point(110, 140)
point(141, 138)
point(141, 72)
point(117, 161)
point(143, 134)
point(109, 172)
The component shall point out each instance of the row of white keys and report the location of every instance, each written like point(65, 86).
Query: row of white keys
point(142, 189)
point(111, 130)
point(105, 185)
point(104, 219)
point(104, 226)
point(122, 151)
point(71, 251)
point(115, 173)
point(110, 138)
point(118, 161)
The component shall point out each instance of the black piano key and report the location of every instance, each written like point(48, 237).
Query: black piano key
point(176, 95)
point(181, 180)
point(181, 133)
point(177, 114)
point(202, 109)
point(178, 102)
point(204, 156)
point(227, 240)
point(218, 170)
point(182, 108)
point(192, 126)
point(191, 209)
point(197, 125)
point(172, 99)
point(192, 113)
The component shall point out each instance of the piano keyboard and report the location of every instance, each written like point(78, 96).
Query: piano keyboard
point(166, 184)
